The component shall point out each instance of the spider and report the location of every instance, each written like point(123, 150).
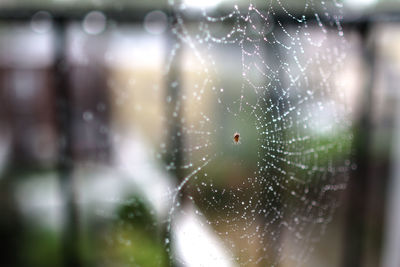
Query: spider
point(236, 138)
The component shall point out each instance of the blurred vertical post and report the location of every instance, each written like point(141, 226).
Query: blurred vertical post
point(173, 83)
point(173, 96)
point(356, 220)
point(391, 255)
point(70, 248)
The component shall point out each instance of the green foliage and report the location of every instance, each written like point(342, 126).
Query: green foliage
point(41, 247)
point(134, 239)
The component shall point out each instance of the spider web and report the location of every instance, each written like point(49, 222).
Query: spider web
point(272, 75)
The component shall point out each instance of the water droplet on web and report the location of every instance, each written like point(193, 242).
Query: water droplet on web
point(88, 116)
point(174, 84)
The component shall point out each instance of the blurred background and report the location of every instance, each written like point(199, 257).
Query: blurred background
point(116, 126)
